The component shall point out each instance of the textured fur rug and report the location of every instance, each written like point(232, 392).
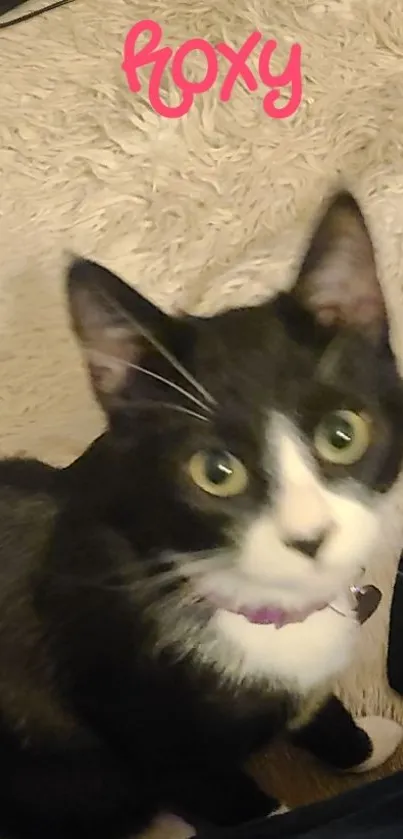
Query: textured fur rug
point(199, 212)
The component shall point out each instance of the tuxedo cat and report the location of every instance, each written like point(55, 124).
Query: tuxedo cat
point(179, 594)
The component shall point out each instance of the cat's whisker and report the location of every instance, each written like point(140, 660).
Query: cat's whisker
point(124, 363)
point(194, 565)
point(150, 404)
point(198, 556)
point(184, 568)
point(142, 330)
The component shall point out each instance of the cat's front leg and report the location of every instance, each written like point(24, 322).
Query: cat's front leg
point(222, 797)
point(346, 744)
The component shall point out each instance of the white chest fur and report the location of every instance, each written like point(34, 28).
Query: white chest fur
point(300, 656)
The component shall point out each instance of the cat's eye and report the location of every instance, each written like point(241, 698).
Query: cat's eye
point(218, 473)
point(343, 437)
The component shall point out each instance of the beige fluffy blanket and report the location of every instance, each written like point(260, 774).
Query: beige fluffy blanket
point(200, 212)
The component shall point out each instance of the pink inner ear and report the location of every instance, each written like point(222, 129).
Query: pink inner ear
point(345, 291)
point(338, 281)
point(362, 311)
point(329, 315)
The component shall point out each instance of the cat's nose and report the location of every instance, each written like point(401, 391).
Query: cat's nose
point(308, 547)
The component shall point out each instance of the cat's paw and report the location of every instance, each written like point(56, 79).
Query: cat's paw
point(385, 736)
point(280, 810)
point(167, 826)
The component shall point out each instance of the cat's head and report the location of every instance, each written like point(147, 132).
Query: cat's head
point(252, 447)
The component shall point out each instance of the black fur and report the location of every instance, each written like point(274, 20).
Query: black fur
point(104, 721)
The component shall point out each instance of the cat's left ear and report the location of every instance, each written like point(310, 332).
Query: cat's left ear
point(338, 279)
point(117, 329)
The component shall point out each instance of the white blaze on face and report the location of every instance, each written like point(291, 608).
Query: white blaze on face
point(302, 512)
point(303, 655)
point(305, 508)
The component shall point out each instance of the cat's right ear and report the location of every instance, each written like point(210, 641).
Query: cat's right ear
point(115, 327)
point(338, 281)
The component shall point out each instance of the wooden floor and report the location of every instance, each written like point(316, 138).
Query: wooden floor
point(297, 779)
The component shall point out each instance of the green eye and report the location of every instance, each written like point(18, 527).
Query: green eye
point(218, 473)
point(343, 437)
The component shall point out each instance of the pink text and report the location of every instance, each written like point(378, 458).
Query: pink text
point(159, 57)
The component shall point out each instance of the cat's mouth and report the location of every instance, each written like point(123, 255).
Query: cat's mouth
point(271, 615)
point(237, 596)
